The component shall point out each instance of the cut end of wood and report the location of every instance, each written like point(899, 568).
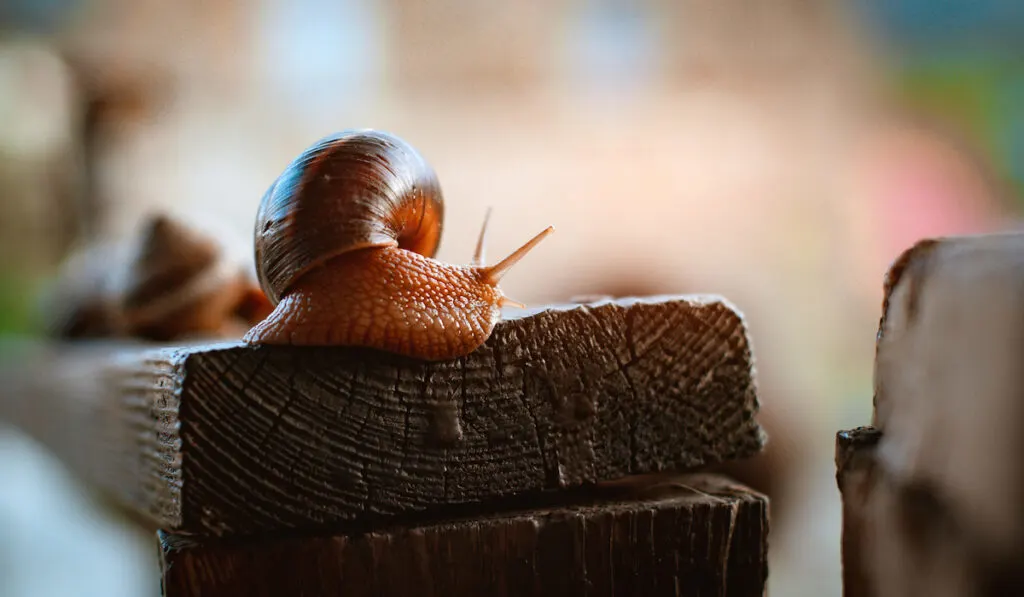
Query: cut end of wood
point(854, 439)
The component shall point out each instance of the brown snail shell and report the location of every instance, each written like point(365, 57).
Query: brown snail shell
point(368, 189)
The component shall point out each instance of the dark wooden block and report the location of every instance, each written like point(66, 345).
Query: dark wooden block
point(691, 535)
point(233, 439)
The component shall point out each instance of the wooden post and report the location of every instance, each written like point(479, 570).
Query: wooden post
point(939, 496)
point(693, 535)
point(229, 448)
point(856, 477)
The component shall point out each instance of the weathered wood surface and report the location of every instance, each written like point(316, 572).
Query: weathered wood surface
point(855, 476)
point(943, 511)
point(949, 385)
point(702, 535)
point(230, 439)
point(900, 539)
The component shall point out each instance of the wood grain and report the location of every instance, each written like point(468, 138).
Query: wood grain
point(229, 438)
point(696, 535)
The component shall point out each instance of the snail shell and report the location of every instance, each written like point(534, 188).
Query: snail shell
point(182, 284)
point(344, 245)
point(170, 283)
point(349, 191)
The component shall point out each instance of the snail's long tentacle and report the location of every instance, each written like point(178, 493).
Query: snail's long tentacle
point(492, 275)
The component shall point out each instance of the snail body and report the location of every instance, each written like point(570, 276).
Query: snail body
point(345, 240)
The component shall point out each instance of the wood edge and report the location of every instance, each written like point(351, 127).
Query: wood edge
point(115, 400)
point(511, 315)
point(696, 299)
point(913, 264)
point(919, 253)
point(850, 444)
point(171, 452)
point(650, 491)
point(546, 541)
point(856, 478)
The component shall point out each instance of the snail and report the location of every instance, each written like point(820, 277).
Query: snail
point(170, 283)
point(182, 284)
point(345, 240)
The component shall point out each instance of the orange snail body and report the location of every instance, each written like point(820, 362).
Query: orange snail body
point(345, 240)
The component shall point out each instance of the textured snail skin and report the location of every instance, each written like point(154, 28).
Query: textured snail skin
point(390, 299)
point(345, 240)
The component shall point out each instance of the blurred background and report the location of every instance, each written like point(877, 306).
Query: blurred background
point(779, 153)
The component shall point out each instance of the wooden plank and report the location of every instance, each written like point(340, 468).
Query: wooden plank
point(856, 477)
point(692, 535)
point(236, 439)
point(944, 511)
point(948, 376)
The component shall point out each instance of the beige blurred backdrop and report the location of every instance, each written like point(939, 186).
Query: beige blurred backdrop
point(713, 146)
